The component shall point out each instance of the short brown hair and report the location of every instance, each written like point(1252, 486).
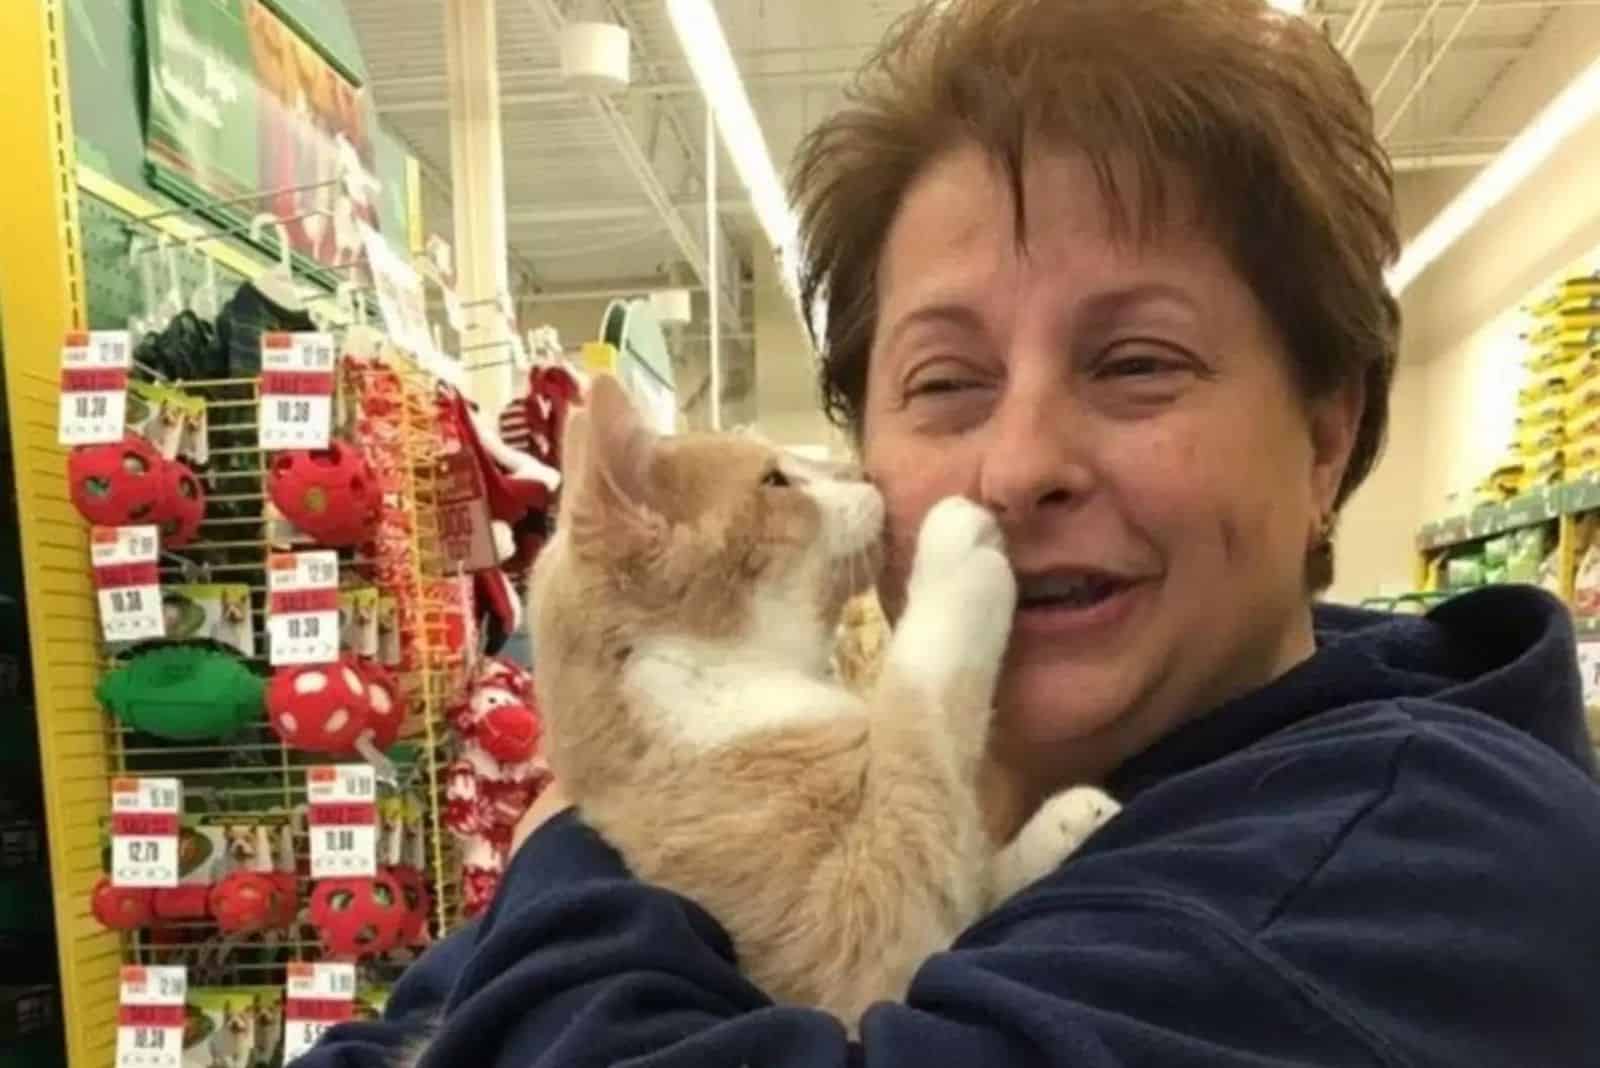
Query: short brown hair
point(1255, 112)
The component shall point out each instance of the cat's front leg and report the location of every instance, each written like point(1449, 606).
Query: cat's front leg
point(1055, 831)
point(951, 638)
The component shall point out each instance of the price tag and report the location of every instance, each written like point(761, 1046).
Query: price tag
point(319, 996)
point(296, 390)
point(150, 1017)
point(303, 607)
point(1589, 667)
point(127, 582)
point(342, 817)
point(145, 814)
point(94, 387)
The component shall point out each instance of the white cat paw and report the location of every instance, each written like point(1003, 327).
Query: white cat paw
point(1059, 827)
point(952, 532)
point(959, 603)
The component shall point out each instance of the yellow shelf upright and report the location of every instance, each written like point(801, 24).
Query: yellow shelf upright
point(41, 297)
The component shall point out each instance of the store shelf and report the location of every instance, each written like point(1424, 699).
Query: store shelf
point(1487, 521)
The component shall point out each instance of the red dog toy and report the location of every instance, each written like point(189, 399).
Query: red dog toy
point(359, 917)
point(321, 708)
point(117, 485)
point(183, 504)
point(331, 494)
point(122, 908)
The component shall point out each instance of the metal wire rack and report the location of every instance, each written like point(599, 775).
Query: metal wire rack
point(251, 779)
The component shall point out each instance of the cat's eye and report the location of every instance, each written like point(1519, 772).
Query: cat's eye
point(775, 478)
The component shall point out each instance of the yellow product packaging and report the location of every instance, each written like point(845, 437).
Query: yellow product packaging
point(1583, 285)
point(1578, 313)
point(1540, 439)
point(1544, 469)
point(1503, 483)
point(1583, 456)
point(1544, 413)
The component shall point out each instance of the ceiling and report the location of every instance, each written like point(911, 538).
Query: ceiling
point(611, 198)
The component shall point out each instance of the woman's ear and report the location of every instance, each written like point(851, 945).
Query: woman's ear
point(1335, 420)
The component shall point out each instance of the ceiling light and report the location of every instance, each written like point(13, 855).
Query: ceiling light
point(1575, 105)
point(1292, 7)
point(706, 48)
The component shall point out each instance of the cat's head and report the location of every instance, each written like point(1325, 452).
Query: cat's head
point(720, 537)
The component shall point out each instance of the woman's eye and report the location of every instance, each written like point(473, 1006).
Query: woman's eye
point(935, 386)
point(775, 478)
point(1140, 365)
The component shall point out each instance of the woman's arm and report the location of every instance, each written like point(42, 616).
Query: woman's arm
point(583, 965)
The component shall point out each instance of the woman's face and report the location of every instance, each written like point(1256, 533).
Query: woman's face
point(1127, 412)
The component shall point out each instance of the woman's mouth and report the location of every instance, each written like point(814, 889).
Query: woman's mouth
point(1071, 601)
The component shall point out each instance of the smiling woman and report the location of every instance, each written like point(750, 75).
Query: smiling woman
point(1113, 271)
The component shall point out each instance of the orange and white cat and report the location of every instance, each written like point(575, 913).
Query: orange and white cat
point(682, 619)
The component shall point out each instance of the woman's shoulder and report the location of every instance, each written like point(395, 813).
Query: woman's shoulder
point(1405, 796)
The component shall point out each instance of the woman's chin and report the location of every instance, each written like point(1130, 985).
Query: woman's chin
point(1058, 724)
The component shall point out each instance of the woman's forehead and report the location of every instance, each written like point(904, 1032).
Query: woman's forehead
point(954, 241)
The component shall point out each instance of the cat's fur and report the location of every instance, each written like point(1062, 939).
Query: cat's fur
point(682, 616)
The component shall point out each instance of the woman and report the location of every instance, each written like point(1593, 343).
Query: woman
point(1114, 269)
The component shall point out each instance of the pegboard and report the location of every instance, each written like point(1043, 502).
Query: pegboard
point(112, 283)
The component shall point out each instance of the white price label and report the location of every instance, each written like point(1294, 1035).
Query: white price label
point(1589, 667)
point(128, 582)
point(296, 409)
point(150, 1017)
point(303, 607)
point(145, 818)
point(342, 820)
point(94, 387)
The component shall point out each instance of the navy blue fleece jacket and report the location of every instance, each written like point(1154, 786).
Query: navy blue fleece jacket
point(1389, 856)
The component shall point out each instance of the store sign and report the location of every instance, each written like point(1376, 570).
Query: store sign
point(644, 363)
point(127, 582)
point(150, 1016)
point(402, 302)
point(240, 103)
point(342, 816)
point(303, 608)
point(296, 407)
point(94, 387)
point(318, 996)
point(466, 533)
point(145, 817)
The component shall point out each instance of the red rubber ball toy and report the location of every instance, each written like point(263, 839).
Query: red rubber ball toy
point(183, 504)
point(418, 901)
point(122, 908)
point(359, 917)
point(117, 485)
point(331, 494)
point(244, 901)
point(386, 701)
point(182, 902)
point(320, 708)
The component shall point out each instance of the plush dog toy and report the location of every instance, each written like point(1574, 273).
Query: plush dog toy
point(498, 771)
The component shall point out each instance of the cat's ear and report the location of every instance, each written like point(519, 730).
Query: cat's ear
point(608, 453)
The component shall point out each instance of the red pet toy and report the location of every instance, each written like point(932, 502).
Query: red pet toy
point(321, 708)
point(117, 485)
point(359, 917)
point(331, 494)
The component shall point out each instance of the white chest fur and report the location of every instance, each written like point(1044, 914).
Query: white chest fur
point(710, 695)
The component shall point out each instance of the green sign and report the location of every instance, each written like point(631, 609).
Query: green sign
point(242, 104)
point(644, 364)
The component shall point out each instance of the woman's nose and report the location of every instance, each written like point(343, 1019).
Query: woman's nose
point(1033, 459)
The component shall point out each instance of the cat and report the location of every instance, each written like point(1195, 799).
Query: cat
point(683, 614)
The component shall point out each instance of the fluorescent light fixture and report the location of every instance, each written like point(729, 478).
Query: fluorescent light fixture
point(1571, 108)
point(701, 37)
point(1291, 7)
